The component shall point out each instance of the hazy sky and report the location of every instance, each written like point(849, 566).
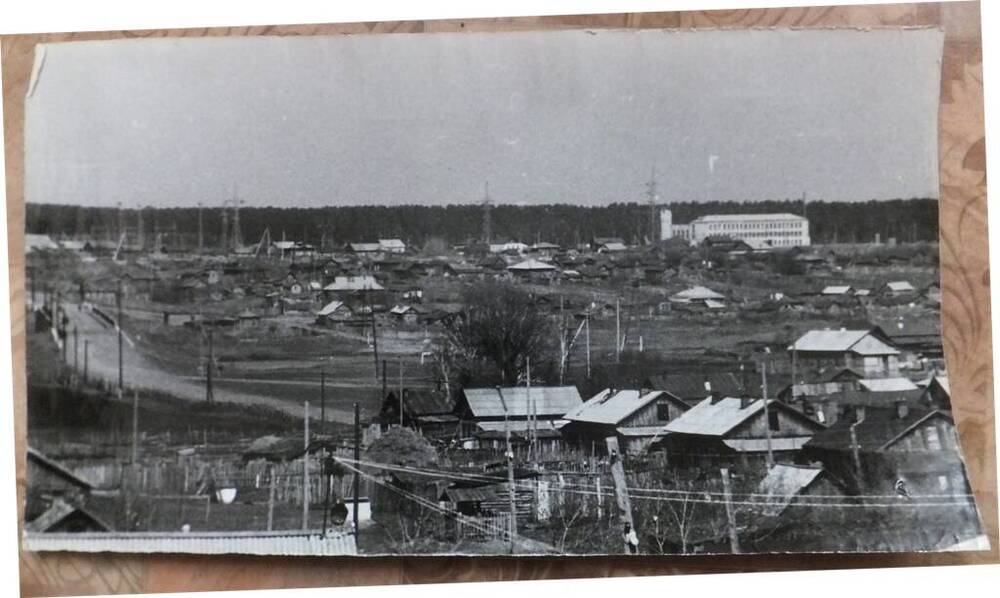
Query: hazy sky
point(575, 117)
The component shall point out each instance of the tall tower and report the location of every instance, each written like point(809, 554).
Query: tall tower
point(651, 195)
point(487, 216)
point(224, 237)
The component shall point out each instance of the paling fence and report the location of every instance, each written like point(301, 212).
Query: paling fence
point(252, 480)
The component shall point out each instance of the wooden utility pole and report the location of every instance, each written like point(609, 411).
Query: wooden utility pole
point(588, 345)
point(371, 312)
point(621, 487)
point(510, 471)
point(357, 464)
point(86, 358)
point(270, 501)
point(322, 396)
point(305, 467)
point(400, 392)
point(209, 366)
point(385, 385)
point(856, 453)
point(767, 415)
point(118, 325)
point(618, 330)
point(135, 428)
point(76, 352)
point(734, 539)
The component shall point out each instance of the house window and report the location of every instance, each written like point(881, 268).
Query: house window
point(773, 422)
point(663, 412)
point(932, 438)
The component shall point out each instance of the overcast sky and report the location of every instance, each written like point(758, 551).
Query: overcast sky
point(547, 117)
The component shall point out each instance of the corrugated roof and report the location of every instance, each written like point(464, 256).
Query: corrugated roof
point(548, 401)
point(641, 431)
point(286, 543)
point(522, 425)
point(887, 384)
point(714, 419)
point(607, 408)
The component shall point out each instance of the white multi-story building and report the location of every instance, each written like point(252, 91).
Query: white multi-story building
point(760, 231)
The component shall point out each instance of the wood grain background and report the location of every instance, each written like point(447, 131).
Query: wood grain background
point(966, 320)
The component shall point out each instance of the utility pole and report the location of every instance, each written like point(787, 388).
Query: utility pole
point(651, 194)
point(76, 352)
point(856, 453)
point(209, 366)
point(618, 330)
point(371, 312)
point(510, 470)
point(86, 358)
point(118, 325)
point(305, 467)
point(357, 464)
point(532, 422)
point(734, 540)
point(135, 427)
point(621, 487)
point(385, 387)
point(400, 392)
point(322, 395)
point(588, 344)
point(767, 414)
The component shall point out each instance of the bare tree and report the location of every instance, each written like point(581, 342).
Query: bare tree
point(499, 329)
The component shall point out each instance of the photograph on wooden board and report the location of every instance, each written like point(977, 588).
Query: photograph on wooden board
point(571, 292)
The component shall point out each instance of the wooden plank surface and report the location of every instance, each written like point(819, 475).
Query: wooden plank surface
point(965, 320)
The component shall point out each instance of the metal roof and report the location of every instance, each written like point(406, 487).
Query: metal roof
point(709, 418)
point(548, 401)
point(607, 408)
point(862, 342)
point(887, 384)
point(836, 290)
point(783, 483)
point(332, 308)
point(285, 543)
point(746, 217)
point(522, 425)
point(899, 286)
point(697, 293)
point(532, 265)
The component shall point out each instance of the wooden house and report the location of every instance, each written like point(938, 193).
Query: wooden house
point(636, 417)
point(736, 431)
point(870, 351)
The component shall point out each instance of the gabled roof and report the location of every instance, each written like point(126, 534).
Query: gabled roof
point(612, 408)
point(532, 265)
point(887, 384)
point(614, 246)
point(364, 247)
point(391, 244)
point(836, 290)
point(861, 342)
point(718, 418)
point(548, 401)
point(421, 401)
point(332, 308)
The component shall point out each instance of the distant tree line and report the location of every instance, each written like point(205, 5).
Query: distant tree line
point(913, 219)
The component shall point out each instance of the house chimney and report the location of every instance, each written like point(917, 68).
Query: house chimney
point(902, 409)
point(745, 400)
point(715, 397)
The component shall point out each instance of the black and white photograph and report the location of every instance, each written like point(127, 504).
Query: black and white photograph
point(561, 292)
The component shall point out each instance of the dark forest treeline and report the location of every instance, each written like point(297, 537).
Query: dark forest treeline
point(829, 222)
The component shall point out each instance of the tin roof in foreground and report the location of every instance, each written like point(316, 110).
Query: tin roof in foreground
point(287, 543)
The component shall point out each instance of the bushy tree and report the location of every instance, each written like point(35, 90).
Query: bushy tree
point(402, 446)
